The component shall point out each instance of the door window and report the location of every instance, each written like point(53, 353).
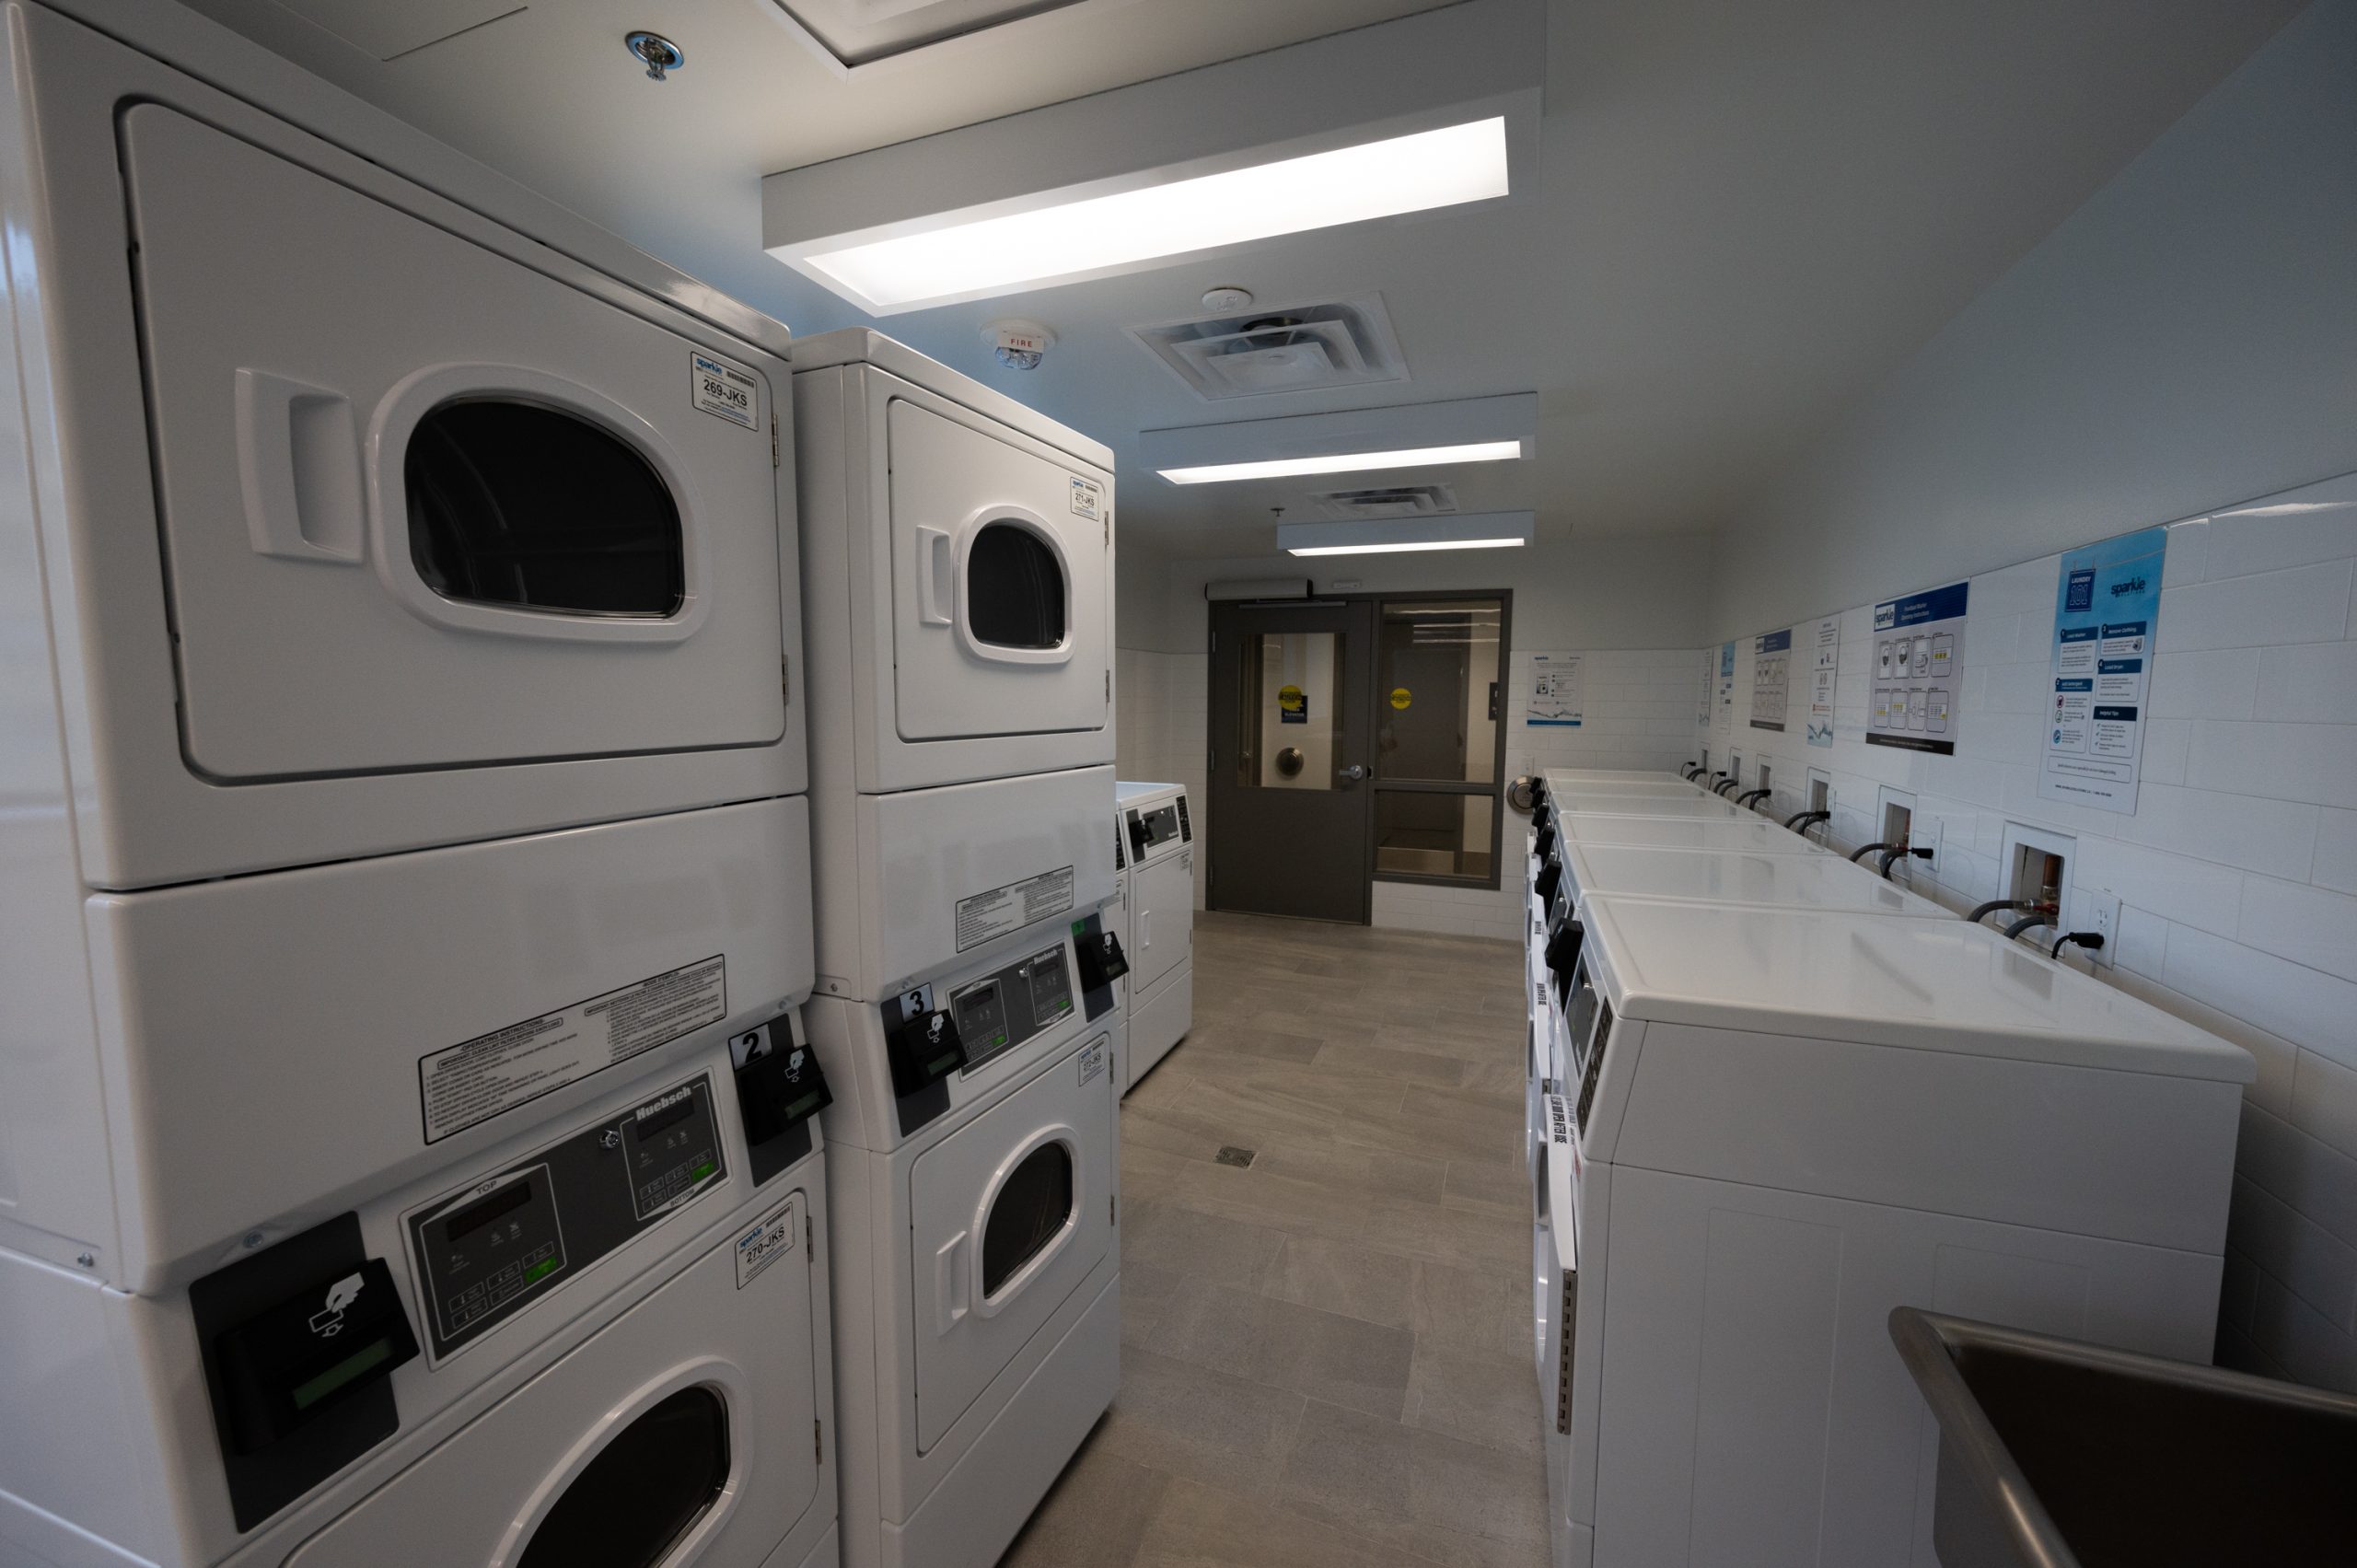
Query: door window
point(1440, 721)
point(1014, 589)
point(1288, 710)
point(643, 1490)
point(1032, 1208)
point(524, 507)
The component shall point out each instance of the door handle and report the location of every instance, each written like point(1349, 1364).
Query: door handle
point(1355, 771)
point(949, 1299)
point(299, 464)
point(934, 572)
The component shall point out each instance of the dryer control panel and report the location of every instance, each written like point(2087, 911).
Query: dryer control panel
point(1001, 1011)
point(485, 1253)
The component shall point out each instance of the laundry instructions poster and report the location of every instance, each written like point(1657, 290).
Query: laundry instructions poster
point(1825, 654)
point(1554, 692)
point(1772, 678)
point(1918, 663)
point(2106, 608)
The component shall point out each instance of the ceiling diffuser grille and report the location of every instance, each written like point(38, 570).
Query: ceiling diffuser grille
point(1389, 500)
point(851, 33)
point(1345, 342)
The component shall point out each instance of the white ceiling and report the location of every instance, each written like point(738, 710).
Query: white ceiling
point(1750, 210)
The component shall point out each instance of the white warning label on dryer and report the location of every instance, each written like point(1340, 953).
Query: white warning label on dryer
point(462, 1085)
point(719, 387)
point(1092, 1063)
point(1013, 906)
point(1087, 498)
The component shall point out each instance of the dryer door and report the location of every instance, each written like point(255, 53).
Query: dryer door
point(1009, 1214)
point(426, 507)
point(1162, 917)
point(675, 1436)
point(1000, 597)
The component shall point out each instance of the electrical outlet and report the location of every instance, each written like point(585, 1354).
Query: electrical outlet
point(1933, 838)
point(2103, 919)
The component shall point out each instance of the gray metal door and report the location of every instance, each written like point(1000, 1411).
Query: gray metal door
point(1289, 740)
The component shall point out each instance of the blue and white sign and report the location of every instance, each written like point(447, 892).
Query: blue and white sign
point(1827, 643)
point(2107, 607)
point(1918, 663)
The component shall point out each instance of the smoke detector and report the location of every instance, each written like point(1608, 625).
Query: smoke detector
point(1018, 345)
point(1227, 298)
point(1297, 348)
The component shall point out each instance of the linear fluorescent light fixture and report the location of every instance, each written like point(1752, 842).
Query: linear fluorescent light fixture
point(1063, 236)
point(1348, 462)
point(1473, 530)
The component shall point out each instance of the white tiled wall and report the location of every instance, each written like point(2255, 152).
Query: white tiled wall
point(1639, 708)
point(2235, 872)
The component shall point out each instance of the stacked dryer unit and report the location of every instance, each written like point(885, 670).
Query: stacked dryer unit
point(1154, 856)
point(958, 557)
point(408, 1143)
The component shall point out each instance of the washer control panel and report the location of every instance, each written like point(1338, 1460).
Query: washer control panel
point(1001, 1011)
point(484, 1253)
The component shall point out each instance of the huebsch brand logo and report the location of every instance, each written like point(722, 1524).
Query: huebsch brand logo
point(666, 1103)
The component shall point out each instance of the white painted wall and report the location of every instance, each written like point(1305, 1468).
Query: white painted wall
point(2186, 340)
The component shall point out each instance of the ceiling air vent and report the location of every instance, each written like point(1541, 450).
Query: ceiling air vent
point(1300, 348)
point(852, 33)
point(1390, 501)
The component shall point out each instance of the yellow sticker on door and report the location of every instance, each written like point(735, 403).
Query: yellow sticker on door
point(1292, 705)
point(1399, 697)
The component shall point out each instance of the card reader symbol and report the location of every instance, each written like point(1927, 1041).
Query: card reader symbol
point(329, 1322)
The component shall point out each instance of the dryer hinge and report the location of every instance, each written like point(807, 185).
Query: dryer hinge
point(785, 677)
point(1117, 1208)
point(819, 1441)
point(774, 458)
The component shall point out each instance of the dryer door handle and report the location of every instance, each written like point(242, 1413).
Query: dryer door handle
point(936, 571)
point(299, 464)
point(949, 1299)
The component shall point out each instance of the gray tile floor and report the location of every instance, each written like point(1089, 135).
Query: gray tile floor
point(1327, 1357)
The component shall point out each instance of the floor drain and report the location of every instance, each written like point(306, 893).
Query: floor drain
point(1230, 1154)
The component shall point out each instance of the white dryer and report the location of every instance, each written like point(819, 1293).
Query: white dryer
point(957, 566)
point(1154, 848)
point(609, 1329)
point(1774, 1126)
point(364, 523)
point(975, 1163)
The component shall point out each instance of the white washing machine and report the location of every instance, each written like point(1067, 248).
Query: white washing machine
point(1774, 1126)
point(958, 554)
point(1572, 800)
point(366, 523)
point(1153, 850)
point(975, 1162)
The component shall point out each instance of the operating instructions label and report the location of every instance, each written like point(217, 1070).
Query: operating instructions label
point(1013, 906)
point(473, 1082)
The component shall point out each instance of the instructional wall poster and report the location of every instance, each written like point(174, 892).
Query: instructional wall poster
point(1709, 676)
point(1918, 661)
point(1772, 678)
point(2107, 607)
point(1726, 687)
point(1554, 692)
point(1827, 643)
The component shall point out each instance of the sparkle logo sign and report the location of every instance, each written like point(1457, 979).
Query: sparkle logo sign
point(2107, 607)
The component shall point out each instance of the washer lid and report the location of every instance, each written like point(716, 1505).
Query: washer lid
point(1739, 876)
point(1923, 984)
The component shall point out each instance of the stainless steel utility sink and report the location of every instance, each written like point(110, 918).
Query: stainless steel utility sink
point(2055, 1454)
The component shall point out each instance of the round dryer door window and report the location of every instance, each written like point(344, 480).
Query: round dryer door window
point(631, 1503)
point(515, 505)
point(1014, 589)
point(1032, 1209)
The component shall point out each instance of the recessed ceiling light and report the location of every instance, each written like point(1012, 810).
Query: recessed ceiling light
point(1348, 462)
point(1479, 530)
point(937, 260)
